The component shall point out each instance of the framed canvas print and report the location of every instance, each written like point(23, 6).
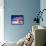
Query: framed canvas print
point(17, 19)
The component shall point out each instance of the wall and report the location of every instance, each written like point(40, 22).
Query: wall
point(1, 20)
point(19, 7)
point(43, 6)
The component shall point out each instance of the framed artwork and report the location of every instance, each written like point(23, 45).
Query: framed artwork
point(17, 19)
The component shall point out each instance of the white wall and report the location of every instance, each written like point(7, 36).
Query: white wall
point(43, 6)
point(1, 20)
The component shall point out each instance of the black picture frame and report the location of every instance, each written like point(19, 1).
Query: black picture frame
point(17, 19)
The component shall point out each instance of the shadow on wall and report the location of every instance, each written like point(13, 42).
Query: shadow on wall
point(19, 7)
